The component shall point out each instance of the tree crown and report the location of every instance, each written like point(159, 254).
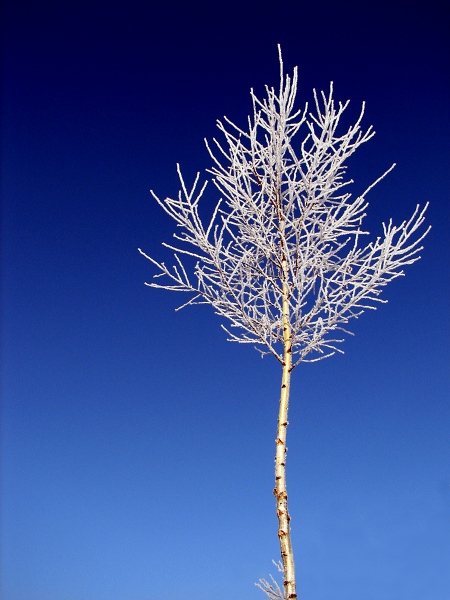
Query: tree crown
point(285, 228)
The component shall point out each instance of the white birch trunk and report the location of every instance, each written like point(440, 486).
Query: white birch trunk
point(280, 491)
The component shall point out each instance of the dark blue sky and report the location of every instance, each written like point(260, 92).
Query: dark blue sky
point(137, 443)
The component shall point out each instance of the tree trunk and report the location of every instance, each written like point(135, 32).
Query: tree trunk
point(284, 530)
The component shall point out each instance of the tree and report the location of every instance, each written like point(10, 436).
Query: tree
point(280, 257)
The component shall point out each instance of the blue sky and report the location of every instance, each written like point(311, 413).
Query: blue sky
point(137, 444)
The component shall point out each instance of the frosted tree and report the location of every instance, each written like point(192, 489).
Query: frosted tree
point(280, 256)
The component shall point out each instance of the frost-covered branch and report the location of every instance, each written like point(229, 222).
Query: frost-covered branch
point(284, 201)
point(272, 590)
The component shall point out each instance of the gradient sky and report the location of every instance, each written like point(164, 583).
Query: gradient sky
point(137, 444)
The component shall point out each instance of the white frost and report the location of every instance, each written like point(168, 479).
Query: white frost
point(283, 199)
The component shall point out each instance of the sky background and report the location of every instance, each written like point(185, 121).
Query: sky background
point(137, 444)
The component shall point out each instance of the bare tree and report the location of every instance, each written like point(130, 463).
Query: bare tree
point(280, 256)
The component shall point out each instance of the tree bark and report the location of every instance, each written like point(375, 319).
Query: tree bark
point(284, 529)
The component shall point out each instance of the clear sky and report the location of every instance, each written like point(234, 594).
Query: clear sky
point(137, 443)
